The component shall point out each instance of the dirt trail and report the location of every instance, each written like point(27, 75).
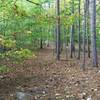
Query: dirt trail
point(47, 79)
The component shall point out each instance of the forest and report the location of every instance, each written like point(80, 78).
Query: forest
point(49, 49)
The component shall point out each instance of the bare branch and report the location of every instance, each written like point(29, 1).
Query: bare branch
point(33, 2)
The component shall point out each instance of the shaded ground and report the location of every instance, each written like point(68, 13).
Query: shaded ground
point(47, 79)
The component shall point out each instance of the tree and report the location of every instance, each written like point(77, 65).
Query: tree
point(88, 28)
point(72, 47)
point(58, 29)
point(79, 41)
point(84, 34)
point(93, 31)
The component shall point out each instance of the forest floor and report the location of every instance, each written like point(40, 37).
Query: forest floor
point(47, 79)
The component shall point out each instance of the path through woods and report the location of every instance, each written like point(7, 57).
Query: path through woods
point(47, 79)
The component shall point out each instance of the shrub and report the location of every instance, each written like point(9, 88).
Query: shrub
point(4, 69)
point(7, 44)
point(20, 54)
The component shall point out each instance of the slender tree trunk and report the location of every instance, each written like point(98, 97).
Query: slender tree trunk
point(72, 47)
point(84, 34)
point(64, 27)
point(58, 30)
point(93, 32)
point(49, 26)
point(79, 37)
point(72, 42)
point(68, 41)
point(55, 33)
point(55, 39)
point(88, 44)
point(88, 29)
point(41, 41)
point(41, 44)
point(65, 34)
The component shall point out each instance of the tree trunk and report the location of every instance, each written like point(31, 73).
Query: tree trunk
point(41, 41)
point(84, 34)
point(65, 34)
point(79, 41)
point(88, 29)
point(72, 47)
point(93, 32)
point(58, 30)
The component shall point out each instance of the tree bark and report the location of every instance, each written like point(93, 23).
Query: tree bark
point(93, 32)
point(84, 35)
point(58, 30)
point(41, 40)
point(65, 34)
point(88, 29)
point(79, 37)
point(72, 47)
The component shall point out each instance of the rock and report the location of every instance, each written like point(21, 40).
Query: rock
point(95, 90)
point(99, 71)
point(89, 98)
point(83, 95)
point(44, 92)
point(67, 96)
point(77, 83)
point(57, 94)
point(1, 77)
point(22, 96)
point(18, 87)
point(11, 95)
point(37, 97)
